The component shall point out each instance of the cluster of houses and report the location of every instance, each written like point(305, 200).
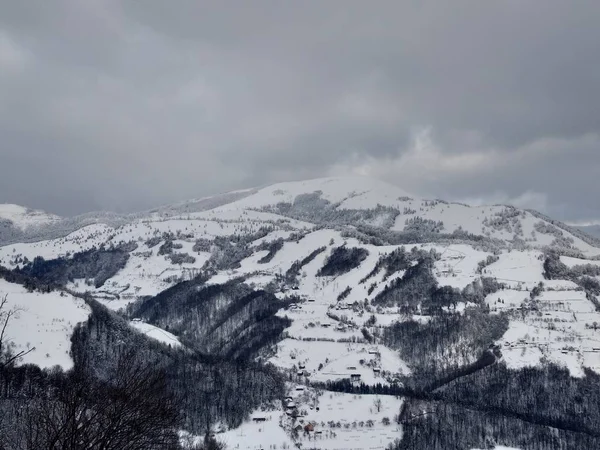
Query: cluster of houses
point(302, 372)
point(519, 343)
point(342, 306)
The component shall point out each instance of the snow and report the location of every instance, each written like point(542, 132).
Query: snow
point(44, 322)
point(351, 192)
point(518, 267)
point(23, 218)
point(156, 333)
point(329, 361)
point(561, 332)
point(80, 240)
point(570, 262)
point(501, 447)
point(561, 329)
point(352, 412)
point(457, 265)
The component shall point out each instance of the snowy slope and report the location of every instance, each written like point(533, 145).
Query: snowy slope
point(325, 341)
point(23, 218)
point(156, 333)
point(351, 192)
point(43, 322)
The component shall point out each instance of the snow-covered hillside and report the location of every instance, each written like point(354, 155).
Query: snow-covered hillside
point(24, 218)
point(42, 324)
point(340, 255)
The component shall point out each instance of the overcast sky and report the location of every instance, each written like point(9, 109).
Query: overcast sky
point(124, 105)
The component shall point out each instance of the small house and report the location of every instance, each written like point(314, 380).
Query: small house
point(309, 427)
point(302, 366)
point(351, 368)
point(300, 388)
point(137, 319)
point(355, 377)
point(258, 419)
point(376, 370)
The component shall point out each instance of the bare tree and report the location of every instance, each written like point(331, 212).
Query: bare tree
point(7, 357)
point(131, 410)
point(377, 404)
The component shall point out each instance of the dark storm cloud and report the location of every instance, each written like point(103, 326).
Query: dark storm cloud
point(126, 104)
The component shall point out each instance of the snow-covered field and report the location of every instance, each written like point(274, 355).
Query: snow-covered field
point(335, 422)
point(156, 333)
point(42, 322)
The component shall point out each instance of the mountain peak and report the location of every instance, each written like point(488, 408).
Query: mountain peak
point(22, 217)
point(351, 191)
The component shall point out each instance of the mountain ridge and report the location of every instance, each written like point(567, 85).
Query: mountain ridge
point(342, 193)
point(339, 290)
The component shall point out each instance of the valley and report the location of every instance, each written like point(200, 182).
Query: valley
point(347, 299)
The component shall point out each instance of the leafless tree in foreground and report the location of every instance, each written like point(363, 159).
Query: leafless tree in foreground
point(7, 357)
point(131, 410)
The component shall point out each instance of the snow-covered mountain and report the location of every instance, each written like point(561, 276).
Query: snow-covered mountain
point(23, 218)
point(354, 281)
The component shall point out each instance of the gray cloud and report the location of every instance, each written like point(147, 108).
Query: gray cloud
point(126, 104)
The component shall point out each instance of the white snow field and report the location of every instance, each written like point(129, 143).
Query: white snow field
point(24, 218)
point(337, 422)
point(156, 333)
point(44, 323)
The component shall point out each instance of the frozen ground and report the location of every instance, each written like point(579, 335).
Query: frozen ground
point(337, 422)
point(43, 322)
point(156, 333)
